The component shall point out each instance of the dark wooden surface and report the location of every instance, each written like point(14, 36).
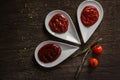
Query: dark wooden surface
point(22, 29)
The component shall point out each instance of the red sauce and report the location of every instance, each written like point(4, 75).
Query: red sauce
point(59, 23)
point(49, 53)
point(89, 16)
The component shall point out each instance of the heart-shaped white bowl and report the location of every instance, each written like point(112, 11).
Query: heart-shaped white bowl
point(66, 51)
point(71, 34)
point(88, 31)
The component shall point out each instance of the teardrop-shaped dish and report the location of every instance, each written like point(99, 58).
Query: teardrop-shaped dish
point(70, 35)
point(88, 31)
point(66, 51)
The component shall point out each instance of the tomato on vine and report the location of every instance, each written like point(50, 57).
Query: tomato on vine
point(93, 62)
point(98, 49)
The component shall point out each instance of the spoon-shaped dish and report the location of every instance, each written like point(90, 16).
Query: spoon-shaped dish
point(70, 35)
point(88, 31)
point(66, 51)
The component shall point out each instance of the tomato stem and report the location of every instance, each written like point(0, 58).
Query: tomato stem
point(81, 65)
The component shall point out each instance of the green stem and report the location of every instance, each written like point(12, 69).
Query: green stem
point(86, 51)
point(82, 63)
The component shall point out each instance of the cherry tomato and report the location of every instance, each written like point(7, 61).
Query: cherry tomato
point(97, 49)
point(93, 62)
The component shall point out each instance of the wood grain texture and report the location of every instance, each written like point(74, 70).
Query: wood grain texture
point(22, 29)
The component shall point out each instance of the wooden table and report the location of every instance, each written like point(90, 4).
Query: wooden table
point(22, 29)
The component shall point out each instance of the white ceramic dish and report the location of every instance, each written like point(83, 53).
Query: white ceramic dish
point(71, 34)
point(88, 31)
point(67, 50)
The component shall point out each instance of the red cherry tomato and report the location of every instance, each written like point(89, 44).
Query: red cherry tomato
point(97, 49)
point(93, 62)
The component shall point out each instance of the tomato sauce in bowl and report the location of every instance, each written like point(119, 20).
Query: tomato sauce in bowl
point(89, 16)
point(59, 23)
point(49, 52)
